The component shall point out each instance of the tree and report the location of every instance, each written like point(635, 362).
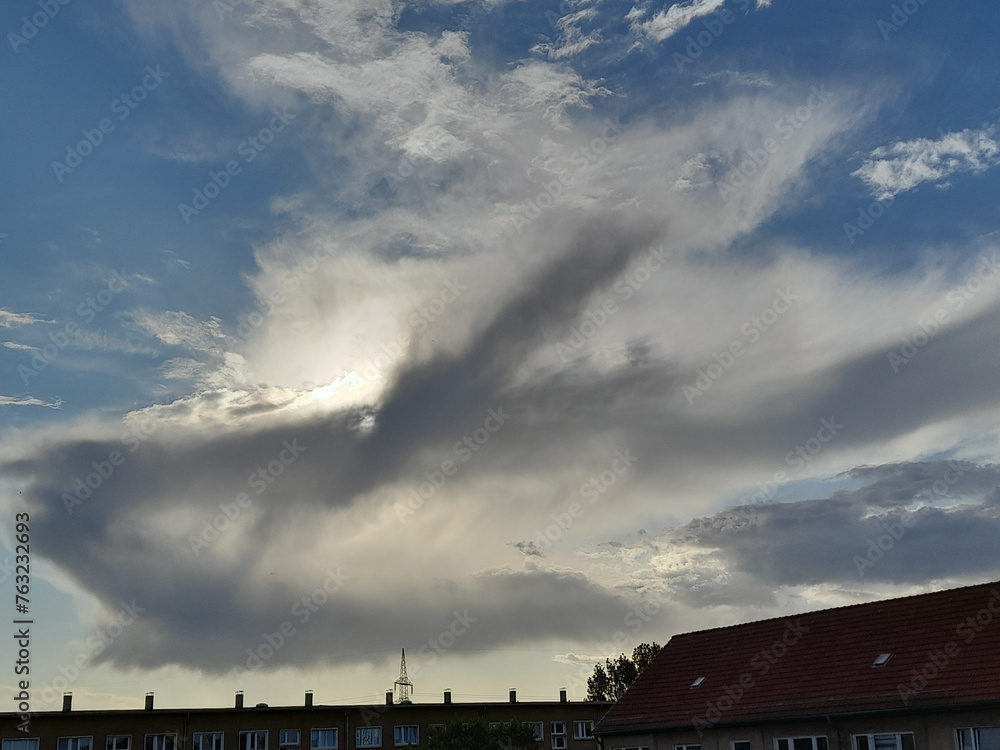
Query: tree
point(477, 735)
point(613, 678)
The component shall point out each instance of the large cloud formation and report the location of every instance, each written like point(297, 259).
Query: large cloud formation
point(505, 286)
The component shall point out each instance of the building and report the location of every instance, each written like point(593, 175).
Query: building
point(915, 673)
point(559, 725)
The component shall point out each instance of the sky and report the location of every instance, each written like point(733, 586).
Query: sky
point(510, 333)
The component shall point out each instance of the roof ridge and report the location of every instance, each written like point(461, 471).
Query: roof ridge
point(856, 605)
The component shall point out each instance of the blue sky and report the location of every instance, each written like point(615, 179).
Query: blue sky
point(515, 319)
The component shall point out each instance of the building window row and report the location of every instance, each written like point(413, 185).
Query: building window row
point(365, 737)
point(288, 739)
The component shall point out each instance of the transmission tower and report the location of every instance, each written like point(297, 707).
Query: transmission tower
point(403, 685)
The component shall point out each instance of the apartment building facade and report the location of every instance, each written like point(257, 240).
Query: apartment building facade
point(559, 725)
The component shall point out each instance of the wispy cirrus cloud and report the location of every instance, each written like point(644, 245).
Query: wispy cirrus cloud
point(665, 23)
point(902, 166)
point(29, 401)
point(9, 319)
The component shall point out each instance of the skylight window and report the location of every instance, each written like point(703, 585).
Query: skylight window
point(881, 659)
point(697, 682)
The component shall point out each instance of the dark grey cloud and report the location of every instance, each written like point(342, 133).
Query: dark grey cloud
point(198, 601)
point(495, 609)
point(909, 523)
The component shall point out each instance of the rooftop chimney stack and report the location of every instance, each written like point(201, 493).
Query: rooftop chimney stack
point(562, 695)
point(388, 697)
point(309, 698)
point(513, 695)
point(447, 696)
point(149, 701)
point(239, 699)
point(67, 702)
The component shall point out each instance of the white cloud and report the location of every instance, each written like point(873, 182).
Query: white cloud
point(737, 78)
point(28, 401)
point(10, 319)
point(904, 165)
point(177, 328)
point(666, 23)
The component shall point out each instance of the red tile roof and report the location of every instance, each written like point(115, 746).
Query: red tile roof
point(820, 663)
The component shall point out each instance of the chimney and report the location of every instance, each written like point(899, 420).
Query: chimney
point(562, 695)
point(513, 695)
point(67, 701)
point(239, 699)
point(149, 701)
point(388, 697)
point(309, 698)
point(447, 696)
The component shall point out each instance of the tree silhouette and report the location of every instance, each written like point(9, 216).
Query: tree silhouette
point(613, 678)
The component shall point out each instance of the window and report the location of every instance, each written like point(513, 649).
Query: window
point(323, 739)
point(405, 735)
point(881, 659)
point(206, 741)
point(583, 730)
point(978, 739)
point(20, 744)
point(883, 741)
point(121, 742)
point(697, 682)
point(289, 739)
point(255, 739)
point(740, 745)
point(538, 728)
point(161, 742)
point(434, 728)
point(368, 737)
point(800, 743)
point(558, 731)
point(75, 743)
